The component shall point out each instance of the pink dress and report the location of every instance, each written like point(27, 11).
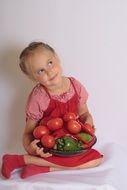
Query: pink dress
point(39, 99)
point(57, 108)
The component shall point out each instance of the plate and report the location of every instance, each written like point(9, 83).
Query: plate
point(67, 153)
point(70, 153)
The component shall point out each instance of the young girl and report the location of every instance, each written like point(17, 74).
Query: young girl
point(53, 96)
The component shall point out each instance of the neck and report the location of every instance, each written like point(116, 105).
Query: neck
point(59, 88)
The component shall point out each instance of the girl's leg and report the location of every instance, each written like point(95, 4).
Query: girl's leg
point(38, 161)
point(30, 170)
point(90, 164)
point(11, 162)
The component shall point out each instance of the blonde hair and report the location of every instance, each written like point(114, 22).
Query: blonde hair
point(29, 50)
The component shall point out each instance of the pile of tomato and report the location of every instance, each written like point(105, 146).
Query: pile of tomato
point(58, 127)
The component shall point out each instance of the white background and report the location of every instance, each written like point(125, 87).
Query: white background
point(90, 37)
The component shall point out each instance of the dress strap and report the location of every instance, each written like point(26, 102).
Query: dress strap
point(73, 85)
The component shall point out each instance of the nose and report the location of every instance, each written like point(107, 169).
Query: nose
point(50, 72)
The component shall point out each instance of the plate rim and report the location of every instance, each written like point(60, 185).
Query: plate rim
point(67, 153)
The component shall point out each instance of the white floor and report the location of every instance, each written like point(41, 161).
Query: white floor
point(110, 175)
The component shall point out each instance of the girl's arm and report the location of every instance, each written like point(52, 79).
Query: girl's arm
point(84, 115)
point(30, 144)
point(28, 136)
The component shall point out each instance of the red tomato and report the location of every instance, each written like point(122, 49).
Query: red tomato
point(73, 126)
point(90, 128)
point(48, 141)
point(69, 116)
point(39, 131)
point(55, 123)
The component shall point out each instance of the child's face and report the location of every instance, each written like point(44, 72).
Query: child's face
point(44, 67)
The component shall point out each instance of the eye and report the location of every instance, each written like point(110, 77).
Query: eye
point(40, 71)
point(50, 63)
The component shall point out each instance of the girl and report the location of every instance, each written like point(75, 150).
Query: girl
point(53, 96)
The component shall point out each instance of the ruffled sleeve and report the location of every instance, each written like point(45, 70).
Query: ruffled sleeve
point(37, 103)
point(81, 91)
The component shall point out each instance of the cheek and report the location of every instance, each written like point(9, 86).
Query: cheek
point(41, 79)
point(58, 69)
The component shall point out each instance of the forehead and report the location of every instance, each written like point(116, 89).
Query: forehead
point(39, 59)
point(41, 55)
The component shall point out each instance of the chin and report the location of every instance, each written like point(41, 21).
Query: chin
point(56, 79)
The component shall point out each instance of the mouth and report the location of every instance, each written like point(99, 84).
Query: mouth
point(52, 78)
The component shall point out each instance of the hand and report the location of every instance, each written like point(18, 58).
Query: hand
point(90, 128)
point(35, 150)
point(40, 152)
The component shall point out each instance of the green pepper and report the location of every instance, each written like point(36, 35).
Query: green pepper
point(85, 137)
point(67, 143)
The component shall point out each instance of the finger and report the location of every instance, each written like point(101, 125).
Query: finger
point(36, 141)
point(41, 149)
point(49, 155)
point(38, 151)
point(43, 154)
point(46, 155)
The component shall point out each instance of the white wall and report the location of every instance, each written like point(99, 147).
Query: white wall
point(91, 38)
